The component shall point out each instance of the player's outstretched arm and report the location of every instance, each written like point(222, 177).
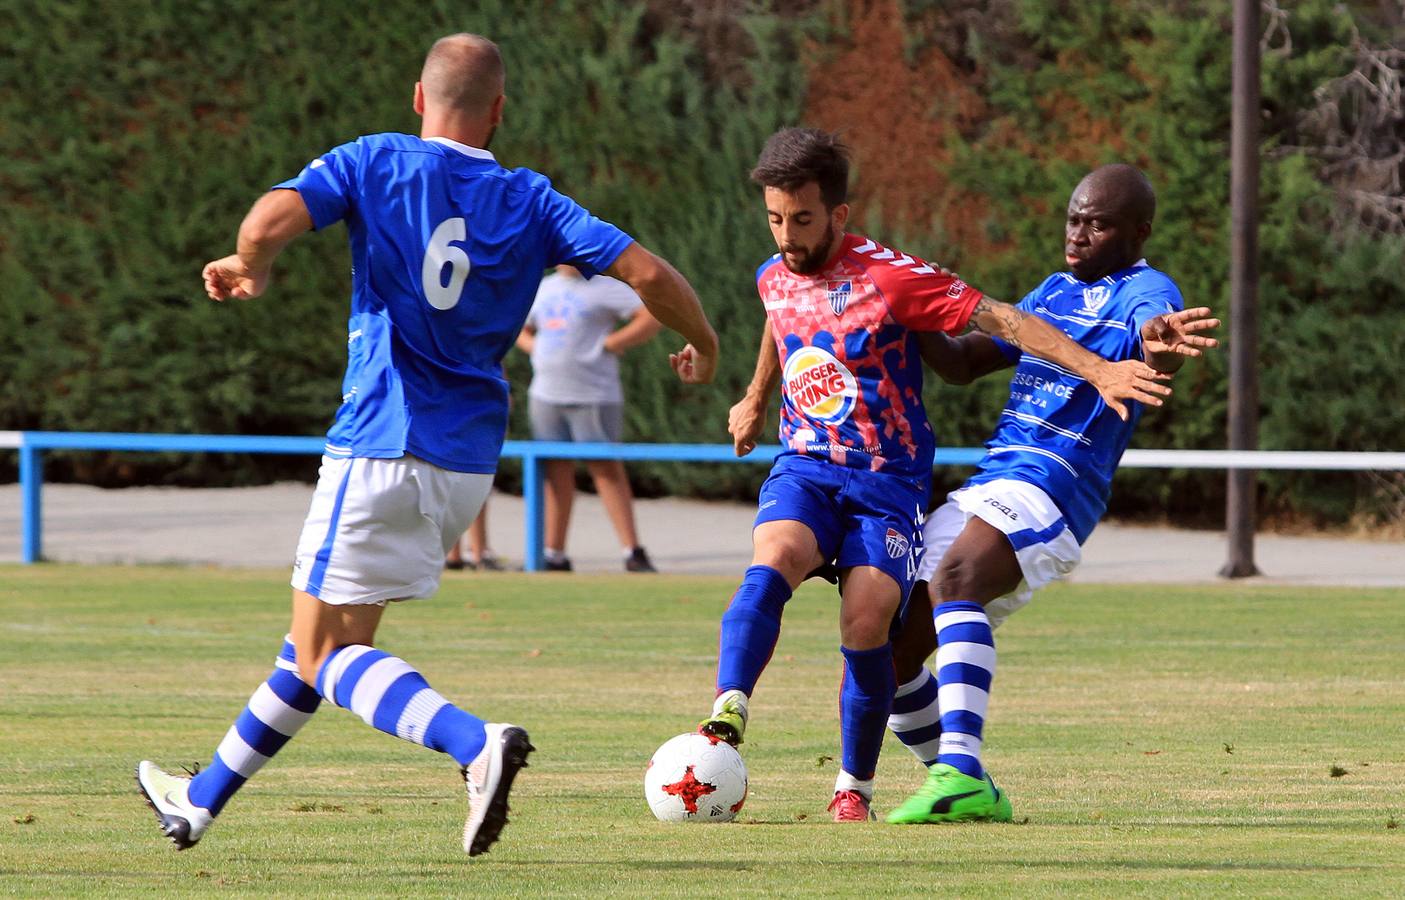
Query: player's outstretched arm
point(963, 359)
point(1116, 382)
point(275, 219)
point(1170, 339)
point(748, 416)
point(671, 299)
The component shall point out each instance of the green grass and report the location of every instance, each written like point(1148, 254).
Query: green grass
point(1156, 741)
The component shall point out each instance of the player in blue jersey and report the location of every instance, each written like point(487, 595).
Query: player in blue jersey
point(842, 316)
point(1019, 522)
point(447, 249)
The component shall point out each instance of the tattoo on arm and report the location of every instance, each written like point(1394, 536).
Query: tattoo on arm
point(1006, 315)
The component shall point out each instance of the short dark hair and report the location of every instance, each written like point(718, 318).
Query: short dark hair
point(793, 157)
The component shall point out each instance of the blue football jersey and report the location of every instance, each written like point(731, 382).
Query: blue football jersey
point(447, 249)
point(1056, 432)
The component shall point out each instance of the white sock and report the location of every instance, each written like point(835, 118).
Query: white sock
point(847, 782)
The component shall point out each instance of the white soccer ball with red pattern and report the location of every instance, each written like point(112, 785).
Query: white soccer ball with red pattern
point(695, 778)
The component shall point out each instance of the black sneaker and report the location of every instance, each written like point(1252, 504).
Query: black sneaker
point(638, 561)
point(557, 565)
point(490, 563)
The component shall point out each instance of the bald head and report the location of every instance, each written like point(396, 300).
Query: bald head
point(1122, 189)
point(463, 73)
point(1109, 219)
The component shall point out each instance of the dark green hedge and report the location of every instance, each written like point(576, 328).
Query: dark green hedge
point(135, 136)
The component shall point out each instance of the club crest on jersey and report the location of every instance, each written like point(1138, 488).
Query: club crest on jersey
point(897, 544)
point(820, 386)
point(839, 293)
point(1096, 297)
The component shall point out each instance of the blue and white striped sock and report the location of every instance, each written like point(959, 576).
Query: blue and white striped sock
point(965, 669)
point(276, 711)
point(916, 716)
point(390, 696)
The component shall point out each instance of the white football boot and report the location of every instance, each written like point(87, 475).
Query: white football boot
point(168, 796)
point(488, 779)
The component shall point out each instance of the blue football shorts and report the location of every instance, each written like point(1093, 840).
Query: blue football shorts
point(859, 517)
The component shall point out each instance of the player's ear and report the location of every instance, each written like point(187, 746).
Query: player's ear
point(419, 98)
point(839, 216)
point(495, 114)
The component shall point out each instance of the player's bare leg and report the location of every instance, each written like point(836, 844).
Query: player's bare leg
point(783, 552)
point(980, 566)
point(612, 484)
point(560, 495)
point(319, 629)
point(479, 553)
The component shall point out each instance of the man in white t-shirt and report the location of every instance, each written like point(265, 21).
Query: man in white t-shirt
point(575, 339)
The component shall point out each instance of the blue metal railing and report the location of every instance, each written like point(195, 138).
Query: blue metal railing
point(32, 444)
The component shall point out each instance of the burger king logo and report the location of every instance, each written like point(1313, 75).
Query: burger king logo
point(820, 386)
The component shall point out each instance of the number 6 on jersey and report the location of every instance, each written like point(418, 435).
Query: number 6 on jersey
point(437, 255)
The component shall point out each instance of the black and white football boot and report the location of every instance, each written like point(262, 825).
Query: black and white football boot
point(488, 779)
point(167, 795)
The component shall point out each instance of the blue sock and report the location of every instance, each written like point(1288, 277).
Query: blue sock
point(390, 696)
point(965, 669)
point(916, 716)
point(276, 711)
point(864, 702)
point(750, 627)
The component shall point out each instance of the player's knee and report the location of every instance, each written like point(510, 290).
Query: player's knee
point(307, 670)
point(863, 629)
point(792, 561)
point(309, 661)
point(959, 577)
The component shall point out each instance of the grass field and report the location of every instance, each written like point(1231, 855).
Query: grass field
point(1203, 741)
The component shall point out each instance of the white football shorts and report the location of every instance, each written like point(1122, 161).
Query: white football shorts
point(1043, 544)
point(378, 529)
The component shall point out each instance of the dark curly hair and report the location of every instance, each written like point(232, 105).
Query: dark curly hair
point(794, 157)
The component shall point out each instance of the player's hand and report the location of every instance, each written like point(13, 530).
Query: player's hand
point(1131, 380)
point(231, 278)
point(744, 423)
point(692, 365)
point(1180, 332)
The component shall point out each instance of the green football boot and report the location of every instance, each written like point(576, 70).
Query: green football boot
point(728, 719)
point(948, 795)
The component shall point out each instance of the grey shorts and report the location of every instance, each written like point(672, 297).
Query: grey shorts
point(577, 422)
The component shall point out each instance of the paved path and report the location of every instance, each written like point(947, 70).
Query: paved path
point(258, 527)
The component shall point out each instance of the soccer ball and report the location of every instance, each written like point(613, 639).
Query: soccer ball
point(695, 778)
